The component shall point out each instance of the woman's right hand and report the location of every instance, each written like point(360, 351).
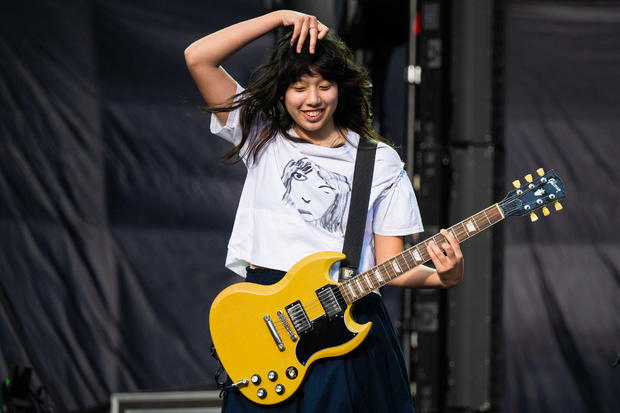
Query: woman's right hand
point(304, 25)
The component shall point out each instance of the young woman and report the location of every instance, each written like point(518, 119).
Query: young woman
point(296, 127)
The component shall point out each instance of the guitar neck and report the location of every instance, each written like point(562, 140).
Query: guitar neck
point(366, 282)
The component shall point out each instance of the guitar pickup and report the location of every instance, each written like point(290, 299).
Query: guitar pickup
point(329, 298)
point(298, 317)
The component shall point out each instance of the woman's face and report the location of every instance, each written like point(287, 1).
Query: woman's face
point(311, 194)
point(311, 102)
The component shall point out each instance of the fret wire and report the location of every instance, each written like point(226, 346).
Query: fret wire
point(359, 286)
point(451, 230)
point(407, 264)
point(388, 269)
point(484, 217)
point(461, 236)
point(384, 278)
point(402, 263)
point(479, 223)
point(347, 297)
point(378, 276)
point(425, 254)
point(376, 280)
point(465, 229)
point(475, 224)
point(382, 274)
point(353, 289)
point(410, 252)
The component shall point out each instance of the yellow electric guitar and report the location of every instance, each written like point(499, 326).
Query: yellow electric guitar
point(267, 337)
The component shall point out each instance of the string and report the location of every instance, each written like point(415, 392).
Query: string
point(348, 290)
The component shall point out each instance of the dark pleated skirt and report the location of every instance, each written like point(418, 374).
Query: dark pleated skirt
point(371, 378)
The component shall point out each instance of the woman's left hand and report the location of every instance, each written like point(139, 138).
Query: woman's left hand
point(304, 25)
point(448, 260)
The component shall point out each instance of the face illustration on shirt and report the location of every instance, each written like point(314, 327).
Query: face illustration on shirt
point(319, 195)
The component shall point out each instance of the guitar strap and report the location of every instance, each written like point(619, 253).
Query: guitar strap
point(358, 207)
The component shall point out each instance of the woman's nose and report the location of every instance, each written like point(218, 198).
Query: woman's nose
point(313, 97)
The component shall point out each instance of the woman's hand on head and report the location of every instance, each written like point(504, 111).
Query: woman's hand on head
point(448, 260)
point(304, 26)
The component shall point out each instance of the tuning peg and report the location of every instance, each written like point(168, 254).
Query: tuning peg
point(533, 217)
point(529, 178)
point(540, 171)
point(545, 211)
point(558, 206)
point(516, 183)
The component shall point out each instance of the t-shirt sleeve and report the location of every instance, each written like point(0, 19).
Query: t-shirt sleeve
point(231, 131)
point(396, 210)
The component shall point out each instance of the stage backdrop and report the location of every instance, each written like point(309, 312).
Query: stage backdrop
point(562, 274)
point(115, 214)
point(114, 211)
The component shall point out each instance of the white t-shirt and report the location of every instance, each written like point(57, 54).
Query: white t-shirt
point(295, 200)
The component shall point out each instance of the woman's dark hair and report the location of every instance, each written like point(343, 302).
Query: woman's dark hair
point(261, 100)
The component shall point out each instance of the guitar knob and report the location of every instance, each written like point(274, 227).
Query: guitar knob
point(255, 379)
point(272, 375)
point(291, 372)
point(261, 393)
point(516, 183)
point(558, 206)
point(540, 171)
point(280, 389)
point(533, 217)
point(529, 178)
point(545, 211)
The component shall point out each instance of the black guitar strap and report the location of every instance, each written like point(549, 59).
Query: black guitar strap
point(358, 207)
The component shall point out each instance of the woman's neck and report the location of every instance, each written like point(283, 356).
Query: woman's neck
point(331, 139)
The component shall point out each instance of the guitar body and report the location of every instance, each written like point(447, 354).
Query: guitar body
point(308, 324)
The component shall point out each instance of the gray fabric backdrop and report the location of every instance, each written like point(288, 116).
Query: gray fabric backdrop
point(114, 214)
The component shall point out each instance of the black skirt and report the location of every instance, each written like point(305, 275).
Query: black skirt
point(371, 378)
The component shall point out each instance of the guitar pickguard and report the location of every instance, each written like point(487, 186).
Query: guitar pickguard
point(326, 332)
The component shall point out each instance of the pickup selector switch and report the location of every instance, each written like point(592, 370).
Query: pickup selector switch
point(279, 389)
point(272, 375)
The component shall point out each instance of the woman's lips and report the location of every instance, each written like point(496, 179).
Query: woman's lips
point(313, 115)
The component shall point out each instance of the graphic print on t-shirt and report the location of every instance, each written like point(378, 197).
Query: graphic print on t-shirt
point(319, 195)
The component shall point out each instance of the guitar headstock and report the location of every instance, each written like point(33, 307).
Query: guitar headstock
point(534, 194)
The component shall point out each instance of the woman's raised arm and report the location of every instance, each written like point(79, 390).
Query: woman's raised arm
point(204, 56)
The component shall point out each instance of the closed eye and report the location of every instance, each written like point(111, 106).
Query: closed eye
point(327, 188)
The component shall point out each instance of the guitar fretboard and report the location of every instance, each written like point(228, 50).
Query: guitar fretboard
point(364, 283)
